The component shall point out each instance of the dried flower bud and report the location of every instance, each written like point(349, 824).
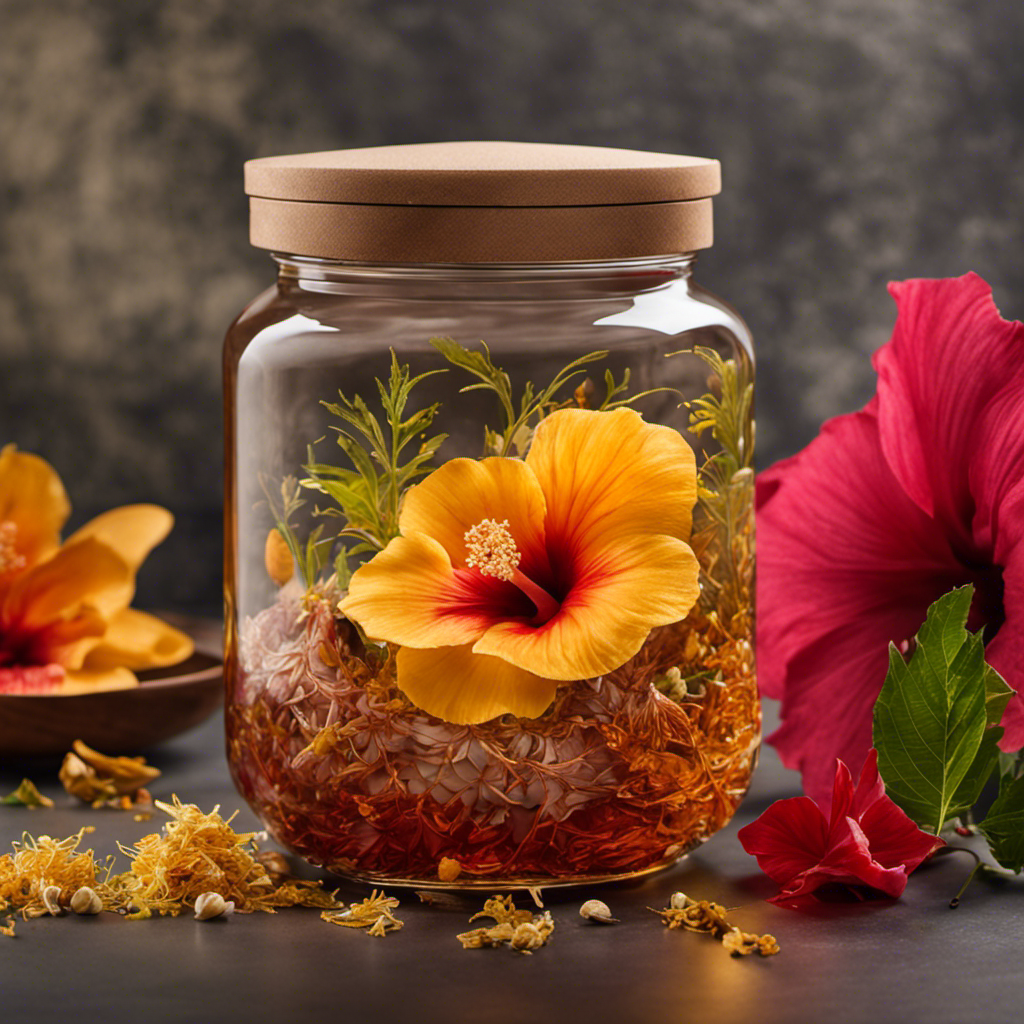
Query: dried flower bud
point(212, 904)
point(85, 901)
point(596, 910)
point(277, 557)
point(448, 869)
point(679, 901)
point(51, 900)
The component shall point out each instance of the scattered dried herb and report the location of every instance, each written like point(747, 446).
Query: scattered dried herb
point(375, 914)
point(26, 795)
point(520, 929)
point(710, 918)
point(36, 865)
point(198, 853)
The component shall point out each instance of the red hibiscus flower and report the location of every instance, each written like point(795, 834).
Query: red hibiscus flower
point(867, 840)
point(885, 511)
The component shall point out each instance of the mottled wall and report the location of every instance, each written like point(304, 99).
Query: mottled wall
point(861, 140)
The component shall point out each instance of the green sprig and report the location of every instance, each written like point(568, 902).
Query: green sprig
point(368, 495)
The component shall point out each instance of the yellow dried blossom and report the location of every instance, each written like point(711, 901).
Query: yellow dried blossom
point(523, 931)
point(97, 779)
point(37, 865)
point(198, 853)
point(708, 917)
point(374, 913)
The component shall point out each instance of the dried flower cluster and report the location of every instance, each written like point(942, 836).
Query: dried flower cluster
point(99, 780)
point(198, 853)
point(40, 865)
point(710, 918)
point(522, 930)
point(375, 914)
point(198, 862)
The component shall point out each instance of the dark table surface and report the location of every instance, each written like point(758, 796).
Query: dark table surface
point(909, 960)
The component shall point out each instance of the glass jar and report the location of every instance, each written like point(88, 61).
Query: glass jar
point(489, 519)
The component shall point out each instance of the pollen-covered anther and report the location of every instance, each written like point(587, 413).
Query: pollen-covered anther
point(491, 549)
point(10, 560)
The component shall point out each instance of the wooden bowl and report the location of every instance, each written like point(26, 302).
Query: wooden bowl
point(166, 702)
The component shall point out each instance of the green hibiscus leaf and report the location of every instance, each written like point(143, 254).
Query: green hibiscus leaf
point(1004, 824)
point(934, 722)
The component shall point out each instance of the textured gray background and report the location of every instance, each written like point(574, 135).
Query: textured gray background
point(862, 140)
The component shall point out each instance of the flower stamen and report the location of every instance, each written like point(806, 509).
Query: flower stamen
point(491, 550)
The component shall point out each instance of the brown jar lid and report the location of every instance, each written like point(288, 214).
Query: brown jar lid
point(481, 202)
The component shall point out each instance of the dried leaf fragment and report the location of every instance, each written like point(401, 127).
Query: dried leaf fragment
point(27, 795)
point(444, 900)
point(7, 928)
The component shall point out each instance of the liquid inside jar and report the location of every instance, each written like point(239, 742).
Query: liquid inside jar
point(500, 635)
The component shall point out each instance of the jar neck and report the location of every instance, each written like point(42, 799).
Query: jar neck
point(490, 281)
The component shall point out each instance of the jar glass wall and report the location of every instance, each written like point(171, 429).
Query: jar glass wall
point(489, 569)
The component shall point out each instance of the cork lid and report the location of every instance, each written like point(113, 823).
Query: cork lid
point(473, 202)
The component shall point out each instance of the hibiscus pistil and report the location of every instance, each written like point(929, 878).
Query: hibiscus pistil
point(491, 550)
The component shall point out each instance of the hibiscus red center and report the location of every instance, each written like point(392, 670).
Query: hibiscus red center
point(987, 610)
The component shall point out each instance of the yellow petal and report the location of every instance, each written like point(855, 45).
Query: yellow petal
point(463, 492)
point(84, 576)
point(465, 688)
point(409, 594)
point(610, 474)
point(621, 594)
point(80, 681)
point(33, 499)
point(131, 530)
point(138, 641)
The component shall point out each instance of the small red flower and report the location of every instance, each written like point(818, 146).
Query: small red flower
point(867, 840)
point(884, 512)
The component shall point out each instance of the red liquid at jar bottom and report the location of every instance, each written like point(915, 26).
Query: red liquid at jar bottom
point(617, 778)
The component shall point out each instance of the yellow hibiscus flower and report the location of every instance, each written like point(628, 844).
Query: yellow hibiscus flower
point(65, 624)
point(511, 575)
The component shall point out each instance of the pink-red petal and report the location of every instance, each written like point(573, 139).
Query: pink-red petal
point(789, 838)
point(950, 355)
point(894, 840)
point(847, 563)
